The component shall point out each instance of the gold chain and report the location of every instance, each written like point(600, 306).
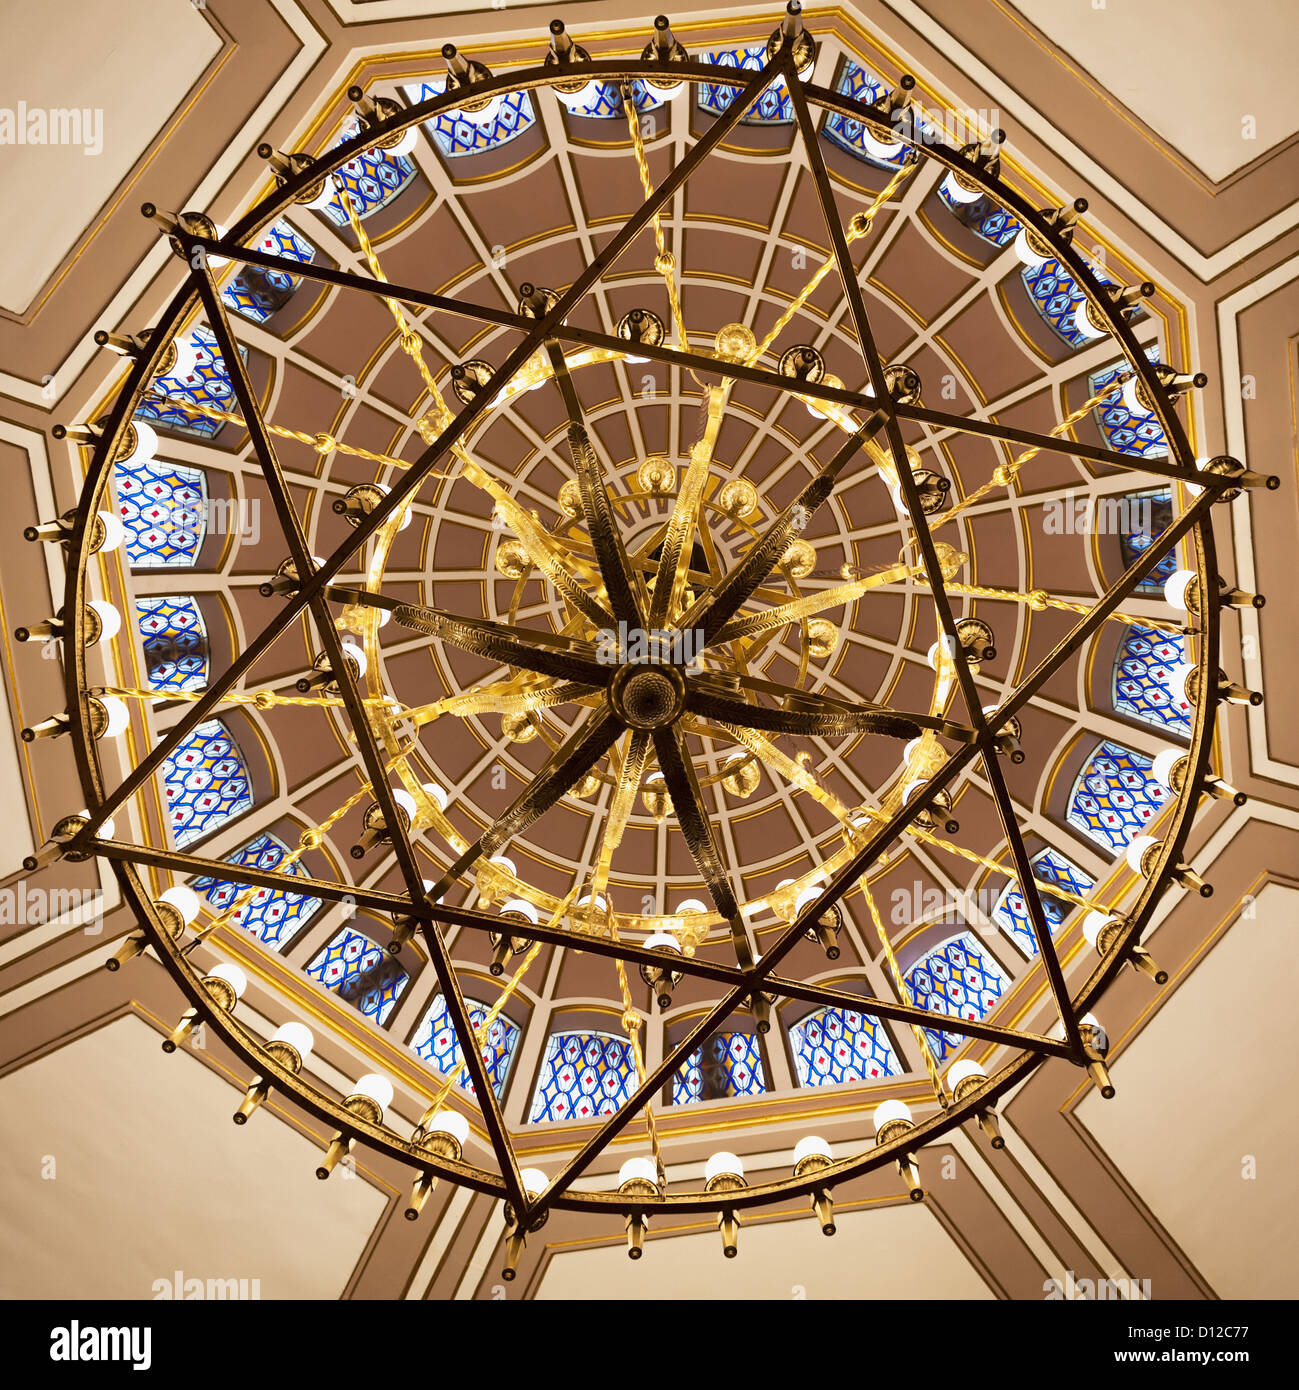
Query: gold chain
point(665, 262)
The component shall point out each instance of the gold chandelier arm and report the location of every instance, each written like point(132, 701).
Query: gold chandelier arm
point(812, 718)
point(712, 612)
point(810, 604)
point(503, 697)
point(674, 558)
point(1039, 600)
point(627, 780)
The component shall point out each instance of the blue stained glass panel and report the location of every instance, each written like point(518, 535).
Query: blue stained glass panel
point(371, 179)
point(272, 915)
point(1115, 797)
point(205, 782)
point(983, 217)
point(832, 1046)
point(850, 135)
point(1140, 685)
point(1147, 516)
point(1049, 868)
point(207, 383)
point(728, 1064)
point(957, 978)
point(163, 507)
point(361, 972)
point(583, 1075)
point(455, 136)
point(1125, 431)
point(256, 291)
point(773, 107)
point(174, 641)
point(436, 1042)
point(1056, 297)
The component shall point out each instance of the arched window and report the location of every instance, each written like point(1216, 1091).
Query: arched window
point(1140, 683)
point(371, 179)
point(957, 978)
point(163, 507)
point(583, 1075)
point(206, 383)
point(1127, 431)
point(606, 101)
point(257, 292)
point(1011, 913)
point(205, 781)
point(1056, 297)
point(272, 915)
point(728, 1064)
point(773, 107)
point(1145, 517)
point(862, 84)
point(832, 1046)
point(983, 217)
point(175, 643)
point(1115, 797)
point(454, 135)
point(361, 972)
point(436, 1042)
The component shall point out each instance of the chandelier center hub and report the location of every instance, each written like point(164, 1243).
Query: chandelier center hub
point(647, 696)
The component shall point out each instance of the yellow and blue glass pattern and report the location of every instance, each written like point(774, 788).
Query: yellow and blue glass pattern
point(205, 782)
point(1127, 432)
point(163, 507)
point(1056, 297)
point(436, 1043)
point(728, 1064)
point(1158, 506)
point(957, 978)
point(607, 102)
point(208, 383)
point(455, 136)
point(257, 292)
point(832, 1046)
point(583, 1075)
point(983, 217)
point(174, 641)
point(1140, 685)
point(1115, 798)
point(272, 915)
point(1049, 868)
point(773, 107)
point(864, 86)
point(364, 974)
point(371, 179)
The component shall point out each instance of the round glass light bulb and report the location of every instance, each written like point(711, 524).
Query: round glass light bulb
point(1136, 849)
point(959, 1071)
point(405, 145)
point(691, 905)
point(118, 715)
point(808, 1146)
point(183, 899)
point(723, 1163)
point(809, 894)
point(106, 830)
point(1164, 763)
point(450, 1122)
point(407, 516)
point(326, 195)
point(1175, 587)
point(437, 793)
point(187, 356)
point(956, 194)
point(1177, 678)
point(888, 1111)
point(377, 1088)
point(109, 617)
point(663, 940)
point(1085, 323)
point(357, 654)
point(114, 531)
point(504, 862)
point(642, 1168)
point(534, 1181)
point(523, 907)
point(405, 800)
point(584, 96)
point(232, 975)
point(1130, 399)
point(488, 113)
point(297, 1035)
point(880, 149)
point(1092, 923)
point(1027, 255)
point(146, 445)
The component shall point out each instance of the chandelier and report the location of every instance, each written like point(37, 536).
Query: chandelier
point(677, 662)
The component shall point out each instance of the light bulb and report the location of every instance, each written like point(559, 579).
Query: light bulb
point(326, 195)
point(502, 862)
point(888, 1111)
point(110, 619)
point(184, 900)
point(662, 940)
point(376, 1088)
point(1177, 678)
point(690, 905)
point(723, 1163)
point(488, 113)
point(436, 793)
point(146, 445)
point(405, 800)
point(450, 1122)
point(105, 831)
point(956, 194)
point(1085, 322)
point(523, 908)
point(114, 531)
point(880, 149)
point(1175, 587)
point(1026, 253)
point(959, 1071)
point(186, 364)
point(534, 1181)
point(1092, 924)
point(1162, 768)
point(407, 516)
point(809, 894)
point(232, 975)
point(297, 1035)
point(809, 1146)
point(1136, 849)
point(584, 96)
point(405, 145)
point(118, 715)
point(215, 261)
point(1131, 400)
point(642, 1168)
point(357, 654)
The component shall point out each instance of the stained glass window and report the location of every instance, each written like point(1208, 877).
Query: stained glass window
point(1115, 797)
point(1011, 912)
point(174, 641)
point(583, 1075)
point(832, 1046)
point(607, 102)
point(207, 383)
point(1140, 685)
point(1126, 431)
point(728, 1064)
point(163, 507)
point(361, 972)
point(436, 1041)
point(272, 915)
point(257, 292)
point(773, 107)
point(982, 217)
point(372, 179)
point(455, 136)
point(850, 135)
point(1145, 517)
point(1056, 297)
point(205, 782)
point(957, 978)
